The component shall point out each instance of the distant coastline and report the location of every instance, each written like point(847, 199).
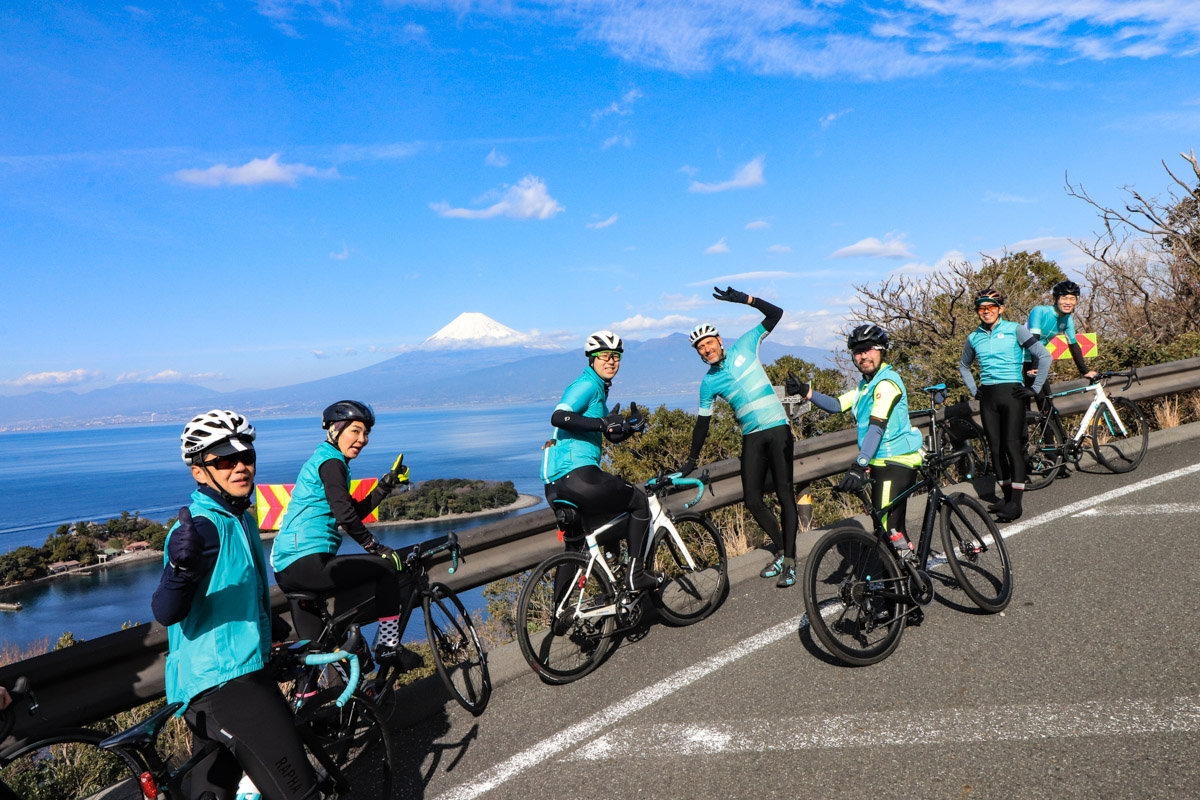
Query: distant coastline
point(126, 560)
point(522, 501)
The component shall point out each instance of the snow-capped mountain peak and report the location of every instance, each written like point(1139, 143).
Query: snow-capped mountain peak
point(472, 329)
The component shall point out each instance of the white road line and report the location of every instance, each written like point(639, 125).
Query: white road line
point(1129, 511)
point(945, 726)
point(580, 731)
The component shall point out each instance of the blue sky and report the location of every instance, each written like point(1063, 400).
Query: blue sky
point(250, 194)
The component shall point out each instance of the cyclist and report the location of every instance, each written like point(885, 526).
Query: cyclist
point(767, 442)
point(888, 445)
point(571, 460)
point(213, 598)
point(998, 344)
point(1046, 322)
point(321, 509)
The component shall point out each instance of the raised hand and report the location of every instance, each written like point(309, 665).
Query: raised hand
point(730, 295)
point(185, 548)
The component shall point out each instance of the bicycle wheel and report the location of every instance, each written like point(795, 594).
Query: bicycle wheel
point(352, 742)
point(456, 652)
point(1043, 451)
point(976, 552)
point(852, 595)
point(960, 433)
point(69, 764)
point(1117, 450)
point(695, 575)
point(565, 618)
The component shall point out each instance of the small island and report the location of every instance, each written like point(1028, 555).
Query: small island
point(446, 497)
point(83, 544)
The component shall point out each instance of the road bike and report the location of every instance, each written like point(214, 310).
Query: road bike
point(1114, 428)
point(859, 594)
point(454, 645)
point(575, 604)
point(965, 438)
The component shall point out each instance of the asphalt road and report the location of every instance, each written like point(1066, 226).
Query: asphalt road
point(1085, 687)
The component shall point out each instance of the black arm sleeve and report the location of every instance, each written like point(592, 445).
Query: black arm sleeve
point(1077, 357)
point(172, 599)
point(699, 434)
point(574, 422)
point(771, 314)
point(346, 510)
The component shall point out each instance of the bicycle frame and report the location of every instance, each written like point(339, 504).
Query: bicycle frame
point(1100, 399)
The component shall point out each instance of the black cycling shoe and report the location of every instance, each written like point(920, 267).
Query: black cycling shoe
point(641, 579)
point(399, 657)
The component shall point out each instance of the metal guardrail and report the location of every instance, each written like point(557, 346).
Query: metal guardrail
point(100, 677)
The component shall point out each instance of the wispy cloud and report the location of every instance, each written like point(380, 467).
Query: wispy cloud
point(1061, 249)
point(169, 376)
point(621, 108)
point(639, 322)
point(748, 175)
point(1003, 197)
point(256, 172)
point(689, 170)
point(345, 352)
point(758, 225)
point(717, 247)
point(746, 276)
point(55, 380)
point(495, 159)
point(341, 255)
point(892, 246)
point(529, 199)
point(779, 248)
point(831, 117)
point(617, 139)
point(681, 302)
point(604, 223)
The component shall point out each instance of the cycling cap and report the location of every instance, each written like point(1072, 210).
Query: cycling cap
point(348, 411)
point(1065, 287)
point(218, 432)
point(701, 331)
point(989, 297)
point(867, 335)
point(603, 340)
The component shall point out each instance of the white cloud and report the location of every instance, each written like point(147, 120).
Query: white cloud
point(750, 174)
point(55, 380)
point(169, 376)
point(745, 276)
point(495, 159)
point(1003, 197)
point(892, 246)
point(757, 225)
point(779, 248)
point(829, 118)
point(256, 172)
point(617, 139)
point(604, 223)
point(1060, 249)
point(689, 170)
point(341, 255)
point(529, 199)
point(718, 247)
point(638, 322)
point(623, 108)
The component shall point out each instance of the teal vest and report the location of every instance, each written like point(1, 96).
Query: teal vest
point(308, 524)
point(899, 436)
point(1001, 357)
point(227, 632)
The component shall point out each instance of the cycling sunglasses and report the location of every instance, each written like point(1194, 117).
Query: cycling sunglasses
point(246, 457)
point(981, 302)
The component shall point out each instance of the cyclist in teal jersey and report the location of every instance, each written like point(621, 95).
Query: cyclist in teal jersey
point(889, 447)
point(1046, 322)
point(738, 376)
point(571, 460)
point(213, 599)
point(1000, 347)
point(321, 508)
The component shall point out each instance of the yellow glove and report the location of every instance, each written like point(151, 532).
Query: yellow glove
point(397, 476)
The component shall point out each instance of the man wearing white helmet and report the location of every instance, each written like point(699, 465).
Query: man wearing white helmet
point(571, 460)
point(213, 598)
point(767, 442)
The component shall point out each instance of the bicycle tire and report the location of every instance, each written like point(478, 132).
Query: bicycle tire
point(561, 647)
point(689, 593)
point(972, 464)
point(1043, 451)
point(69, 763)
point(976, 552)
point(353, 739)
point(843, 576)
point(457, 654)
point(1116, 452)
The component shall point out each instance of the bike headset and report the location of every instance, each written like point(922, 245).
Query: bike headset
point(335, 418)
point(221, 433)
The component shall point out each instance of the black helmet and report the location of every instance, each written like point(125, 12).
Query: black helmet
point(989, 297)
point(348, 411)
point(1065, 287)
point(867, 335)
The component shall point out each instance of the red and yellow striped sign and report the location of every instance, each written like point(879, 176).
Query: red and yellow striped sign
point(1059, 349)
point(271, 501)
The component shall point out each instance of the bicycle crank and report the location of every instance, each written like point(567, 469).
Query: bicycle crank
point(920, 585)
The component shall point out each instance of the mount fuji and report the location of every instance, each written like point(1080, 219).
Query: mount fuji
point(471, 330)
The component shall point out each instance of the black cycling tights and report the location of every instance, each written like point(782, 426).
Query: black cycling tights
point(764, 452)
point(326, 573)
point(594, 492)
point(1003, 418)
point(892, 480)
point(251, 721)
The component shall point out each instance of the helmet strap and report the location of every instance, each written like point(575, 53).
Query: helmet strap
point(238, 504)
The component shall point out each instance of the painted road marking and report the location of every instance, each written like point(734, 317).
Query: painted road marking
point(580, 731)
point(945, 726)
point(1129, 511)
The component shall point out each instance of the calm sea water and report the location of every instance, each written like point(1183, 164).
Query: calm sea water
point(54, 477)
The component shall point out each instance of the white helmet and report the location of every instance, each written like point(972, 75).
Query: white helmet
point(207, 432)
point(603, 340)
point(701, 331)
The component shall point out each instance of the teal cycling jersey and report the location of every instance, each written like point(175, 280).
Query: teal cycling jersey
point(569, 450)
point(742, 381)
point(900, 438)
point(1045, 323)
point(227, 632)
point(308, 526)
point(1001, 355)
